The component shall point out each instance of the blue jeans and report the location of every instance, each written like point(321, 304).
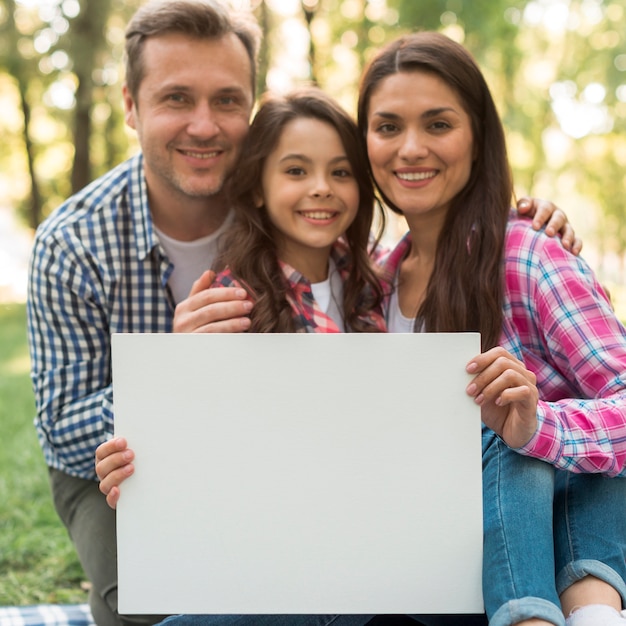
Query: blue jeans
point(321, 620)
point(544, 530)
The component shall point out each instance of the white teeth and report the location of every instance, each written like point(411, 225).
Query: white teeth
point(199, 155)
point(415, 175)
point(318, 215)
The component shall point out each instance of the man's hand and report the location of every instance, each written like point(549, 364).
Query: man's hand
point(114, 464)
point(544, 211)
point(507, 394)
point(217, 310)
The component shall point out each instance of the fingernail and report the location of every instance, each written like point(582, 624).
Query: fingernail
point(471, 389)
point(241, 293)
point(247, 305)
point(471, 367)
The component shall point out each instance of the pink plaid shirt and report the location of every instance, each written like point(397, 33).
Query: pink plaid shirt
point(559, 322)
point(307, 315)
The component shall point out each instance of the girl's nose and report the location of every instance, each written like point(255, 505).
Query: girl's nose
point(321, 188)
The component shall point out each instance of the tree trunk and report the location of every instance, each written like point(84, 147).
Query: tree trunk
point(17, 67)
point(87, 41)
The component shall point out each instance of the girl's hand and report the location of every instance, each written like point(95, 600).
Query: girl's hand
point(507, 394)
point(212, 310)
point(546, 212)
point(113, 466)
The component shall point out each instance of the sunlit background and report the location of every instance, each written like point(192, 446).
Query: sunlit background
point(557, 69)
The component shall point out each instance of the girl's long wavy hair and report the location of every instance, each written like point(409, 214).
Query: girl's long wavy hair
point(249, 248)
point(465, 290)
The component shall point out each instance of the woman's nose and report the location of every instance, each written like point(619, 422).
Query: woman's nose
point(413, 146)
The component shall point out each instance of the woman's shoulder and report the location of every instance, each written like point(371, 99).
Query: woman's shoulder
point(532, 246)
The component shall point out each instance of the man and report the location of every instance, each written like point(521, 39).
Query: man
point(121, 254)
point(129, 252)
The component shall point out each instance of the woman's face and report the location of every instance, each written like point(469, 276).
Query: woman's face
point(419, 142)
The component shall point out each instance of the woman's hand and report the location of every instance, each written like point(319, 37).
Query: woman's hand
point(546, 212)
point(507, 394)
point(114, 464)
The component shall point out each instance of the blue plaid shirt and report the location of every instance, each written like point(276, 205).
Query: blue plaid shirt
point(96, 268)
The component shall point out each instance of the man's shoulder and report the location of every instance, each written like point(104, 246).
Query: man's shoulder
point(104, 194)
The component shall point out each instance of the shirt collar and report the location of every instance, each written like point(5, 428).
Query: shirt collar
point(140, 209)
point(338, 253)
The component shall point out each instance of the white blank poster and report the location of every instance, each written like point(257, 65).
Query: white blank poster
point(299, 473)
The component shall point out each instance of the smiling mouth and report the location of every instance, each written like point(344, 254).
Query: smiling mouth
point(200, 155)
point(319, 215)
point(415, 176)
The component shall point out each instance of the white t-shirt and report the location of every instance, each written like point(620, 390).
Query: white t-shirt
point(396, 322)
point(190, 258)
point(329, 295)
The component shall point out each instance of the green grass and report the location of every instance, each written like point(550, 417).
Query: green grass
point(37, 561)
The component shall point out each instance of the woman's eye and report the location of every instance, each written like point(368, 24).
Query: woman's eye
point(440, 125)
point(387, 128)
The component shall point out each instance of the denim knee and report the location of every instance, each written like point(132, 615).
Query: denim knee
point(573, 572)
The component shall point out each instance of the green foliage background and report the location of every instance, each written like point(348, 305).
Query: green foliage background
point(540, 56)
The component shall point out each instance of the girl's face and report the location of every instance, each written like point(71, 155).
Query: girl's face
point(419, 142)
point(310, 194)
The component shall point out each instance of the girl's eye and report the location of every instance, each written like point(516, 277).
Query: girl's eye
point(295, 171)
point(342, 173)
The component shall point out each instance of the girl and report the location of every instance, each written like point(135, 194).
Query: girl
point(555, 390)
point(303, 205)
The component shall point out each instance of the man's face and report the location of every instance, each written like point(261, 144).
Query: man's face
point(191, 114)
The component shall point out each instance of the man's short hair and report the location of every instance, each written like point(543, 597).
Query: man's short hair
point(200, 19)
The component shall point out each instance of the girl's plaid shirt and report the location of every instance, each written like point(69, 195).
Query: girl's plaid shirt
point(308, 317)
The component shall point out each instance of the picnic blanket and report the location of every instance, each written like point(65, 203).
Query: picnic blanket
point(46, 615)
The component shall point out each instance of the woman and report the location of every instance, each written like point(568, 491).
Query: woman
point(555, 389)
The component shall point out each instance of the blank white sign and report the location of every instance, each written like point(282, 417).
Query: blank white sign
point(299, 473)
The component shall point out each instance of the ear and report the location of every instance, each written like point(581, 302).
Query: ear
point(130, 110)
point(259, 201)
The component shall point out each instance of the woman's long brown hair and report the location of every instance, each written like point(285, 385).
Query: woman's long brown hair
point(465, 290)
point(249, 248)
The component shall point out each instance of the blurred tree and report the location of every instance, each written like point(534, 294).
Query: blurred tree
point(22, 69)
point(86, 46)
point(309, 8)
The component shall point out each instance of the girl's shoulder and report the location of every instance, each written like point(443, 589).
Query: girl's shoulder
point(225, 279)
